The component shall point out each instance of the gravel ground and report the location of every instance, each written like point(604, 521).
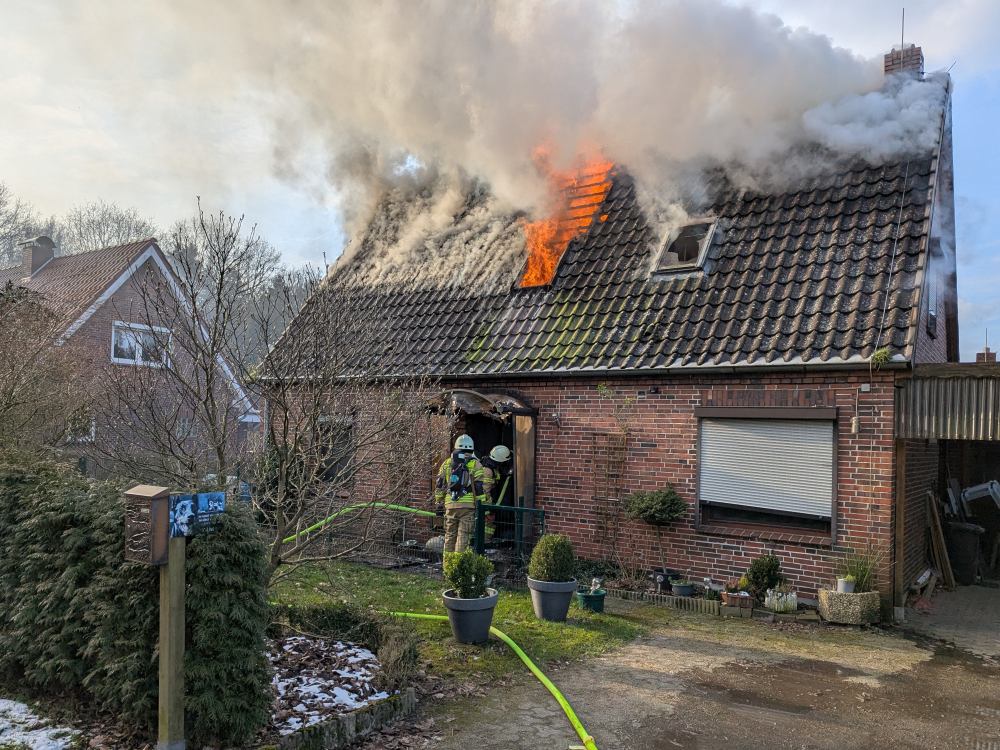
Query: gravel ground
point(700, 682)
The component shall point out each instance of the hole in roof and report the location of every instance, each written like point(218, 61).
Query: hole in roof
point(686, 247)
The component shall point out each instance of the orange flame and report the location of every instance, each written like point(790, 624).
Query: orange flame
point(577, 196)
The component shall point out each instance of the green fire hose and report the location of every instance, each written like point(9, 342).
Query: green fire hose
point(342, 511)
point(588, 741)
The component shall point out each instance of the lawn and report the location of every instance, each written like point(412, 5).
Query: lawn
point(584, 634)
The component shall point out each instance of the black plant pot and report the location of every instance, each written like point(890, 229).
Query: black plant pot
point(682, 589)
point(551, 598)
point(470, 618)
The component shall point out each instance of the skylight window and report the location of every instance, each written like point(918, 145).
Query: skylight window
point(686, 247)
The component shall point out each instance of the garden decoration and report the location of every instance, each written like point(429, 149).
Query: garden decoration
point(781, 599)
point(469, 601)
point(551, 577)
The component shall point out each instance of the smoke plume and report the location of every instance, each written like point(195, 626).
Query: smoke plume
point(402, 95)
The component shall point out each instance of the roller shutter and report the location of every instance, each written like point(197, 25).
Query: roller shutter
point(776, 465)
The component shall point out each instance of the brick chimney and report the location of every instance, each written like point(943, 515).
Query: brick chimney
point(36, 253)
point(909, 59)
point(986, 357)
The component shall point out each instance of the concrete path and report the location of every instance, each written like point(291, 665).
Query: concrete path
point(701, 682)
point(969, 617)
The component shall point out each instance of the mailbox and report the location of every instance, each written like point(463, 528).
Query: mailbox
point(147, 524)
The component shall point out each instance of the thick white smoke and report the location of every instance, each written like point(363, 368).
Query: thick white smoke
point(474, 87)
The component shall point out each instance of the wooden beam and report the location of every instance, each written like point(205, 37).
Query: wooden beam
point(170, 735)
point(938, 545)
point(899, 547)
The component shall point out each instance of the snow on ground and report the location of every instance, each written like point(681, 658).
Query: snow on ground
point(315, 679)
point(19, 726)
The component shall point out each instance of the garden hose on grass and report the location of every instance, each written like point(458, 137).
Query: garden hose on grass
point(388, 506)
point(588, 741)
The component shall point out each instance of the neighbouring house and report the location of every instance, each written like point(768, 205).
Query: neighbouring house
point(106, 318)
point(750, 356)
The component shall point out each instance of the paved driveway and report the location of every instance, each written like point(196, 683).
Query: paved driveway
point(969, 617)
point(700, 682)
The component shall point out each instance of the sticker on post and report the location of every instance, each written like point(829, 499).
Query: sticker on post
point(188, 513)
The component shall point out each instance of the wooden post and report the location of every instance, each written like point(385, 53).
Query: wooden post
point(171, 699)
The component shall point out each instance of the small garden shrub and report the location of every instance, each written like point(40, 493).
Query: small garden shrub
point(552, 559)
point(764, 573)
point(658, 508)
point(78, 623)
point(467, 573)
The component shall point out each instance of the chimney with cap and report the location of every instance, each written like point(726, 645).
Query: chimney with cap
point(908, 59)
point(36, 253)
point(986, 357)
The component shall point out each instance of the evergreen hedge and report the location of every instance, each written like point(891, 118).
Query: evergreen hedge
point(79, 623)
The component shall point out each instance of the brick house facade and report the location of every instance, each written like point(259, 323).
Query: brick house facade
point(99, 297)
point(793, 313)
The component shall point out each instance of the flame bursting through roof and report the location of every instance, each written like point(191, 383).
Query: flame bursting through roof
point(580, 193)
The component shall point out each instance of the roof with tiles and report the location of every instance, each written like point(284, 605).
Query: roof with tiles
point(71, 283)
point(799, 277)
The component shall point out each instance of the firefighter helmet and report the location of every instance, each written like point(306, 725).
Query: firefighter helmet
point(464, 443)
point(500, 453)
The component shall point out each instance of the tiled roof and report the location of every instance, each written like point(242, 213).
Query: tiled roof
point(798, 277)
point(70, 283)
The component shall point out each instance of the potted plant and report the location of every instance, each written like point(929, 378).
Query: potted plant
point(682, 587)
point(592, 599)
point(735, 593)
point(469, 601)
point(855, 601)
point(550, 577)
point(657, 508)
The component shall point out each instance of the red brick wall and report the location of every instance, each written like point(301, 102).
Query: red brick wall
point(921, 476)
point(662, 448)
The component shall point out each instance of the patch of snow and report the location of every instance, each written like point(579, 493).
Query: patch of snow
point(20, 726)
point(315, 679)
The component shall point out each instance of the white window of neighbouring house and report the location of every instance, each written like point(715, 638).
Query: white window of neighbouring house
point(767, 469)
point(138, 344)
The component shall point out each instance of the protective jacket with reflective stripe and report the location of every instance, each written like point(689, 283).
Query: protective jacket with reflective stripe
point(468, 500)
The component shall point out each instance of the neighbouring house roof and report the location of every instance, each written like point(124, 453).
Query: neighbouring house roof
point(75, 287)
point(72, 283)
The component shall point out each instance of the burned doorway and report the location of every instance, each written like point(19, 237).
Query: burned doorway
point(494, 419)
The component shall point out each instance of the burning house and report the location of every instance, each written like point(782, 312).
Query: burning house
point(748, 354)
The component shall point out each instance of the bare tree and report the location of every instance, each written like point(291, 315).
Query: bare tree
point(92, 226)
point(336, 438)
point(43, 394)
point(16, 222)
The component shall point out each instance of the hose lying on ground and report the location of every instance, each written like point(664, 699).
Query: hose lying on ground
point(359, 506)
point(587, 740)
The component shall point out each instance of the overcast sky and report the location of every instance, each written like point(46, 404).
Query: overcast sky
point(92, 112)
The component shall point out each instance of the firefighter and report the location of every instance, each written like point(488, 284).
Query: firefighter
point(497, 477)
point(460, 483)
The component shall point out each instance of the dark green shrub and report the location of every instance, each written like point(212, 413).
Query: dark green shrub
point(764, 573)
point(467, 573)
point(79, 623)
point(552, 559)
point(226, 674)
point(659, 507)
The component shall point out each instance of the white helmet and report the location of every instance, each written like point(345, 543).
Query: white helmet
point(500, 453)
point(464, 443)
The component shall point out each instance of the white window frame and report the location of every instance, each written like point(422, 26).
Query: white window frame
point(824, 414)
point(703, 246)
point(142, 328)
